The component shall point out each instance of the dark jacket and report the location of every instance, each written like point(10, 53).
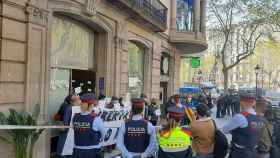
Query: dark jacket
point(265, 143)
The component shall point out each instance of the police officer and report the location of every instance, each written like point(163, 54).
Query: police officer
point(89, 130)
point(219, 106)
point(174, 141)
point(245, 128)
point(137, 137)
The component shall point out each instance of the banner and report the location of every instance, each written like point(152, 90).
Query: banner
point(112, 119)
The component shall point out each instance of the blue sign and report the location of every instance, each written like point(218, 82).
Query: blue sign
point(101, 85)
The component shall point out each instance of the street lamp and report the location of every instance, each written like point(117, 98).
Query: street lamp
point(257, 71)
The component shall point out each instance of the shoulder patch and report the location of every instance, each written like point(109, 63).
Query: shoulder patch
point(164, 133)
point(245, 113)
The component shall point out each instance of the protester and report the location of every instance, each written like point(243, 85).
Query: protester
point(89, 130)
point(114, 104)
point(170, 102)
point(209, 101)
point(174, 141)
point(121, 102)
point(73, 100)
point(203, 133)
point(152, 109)
point(59, 116)
point(177, 101)
point(245, 129)
point(146, 100)
point(101, 101)
point(137, 137)
point(202, 99)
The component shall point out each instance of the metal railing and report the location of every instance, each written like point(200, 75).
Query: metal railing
point(151, 8)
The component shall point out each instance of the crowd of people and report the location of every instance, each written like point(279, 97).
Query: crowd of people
point(228, 104)
point(174, 130)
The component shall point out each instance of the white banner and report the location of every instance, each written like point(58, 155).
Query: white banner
point(112, 120)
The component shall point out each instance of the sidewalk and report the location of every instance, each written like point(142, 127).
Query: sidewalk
point(221, 121)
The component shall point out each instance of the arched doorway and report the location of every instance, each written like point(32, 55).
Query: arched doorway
point(72, 65)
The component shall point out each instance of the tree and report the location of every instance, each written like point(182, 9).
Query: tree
point(268, 9)
point(207, 66)
point(267, 53)
point(237, 18)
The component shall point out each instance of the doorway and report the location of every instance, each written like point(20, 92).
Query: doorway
point(163, 92)
point(84, 79)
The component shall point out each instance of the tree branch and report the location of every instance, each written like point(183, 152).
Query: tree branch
point(218, 16)
point(248, 42)
point(249, 53)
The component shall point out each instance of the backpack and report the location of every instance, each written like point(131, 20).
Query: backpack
point(274, 149)
point(221, 144)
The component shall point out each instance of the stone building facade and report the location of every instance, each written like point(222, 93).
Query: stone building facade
point(47, 45)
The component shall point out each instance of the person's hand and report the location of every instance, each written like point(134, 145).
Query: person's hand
point(144, 155)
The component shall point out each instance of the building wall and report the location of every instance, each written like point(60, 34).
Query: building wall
point(25, 53)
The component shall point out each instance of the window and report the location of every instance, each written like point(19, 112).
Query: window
point(185, 15)
point(164, 64)
point(135, 69)
point(72, 44)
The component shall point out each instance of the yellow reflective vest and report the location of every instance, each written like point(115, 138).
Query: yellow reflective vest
point(174, 140)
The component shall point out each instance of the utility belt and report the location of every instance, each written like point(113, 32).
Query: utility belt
point(237, 146)
point(139, 156)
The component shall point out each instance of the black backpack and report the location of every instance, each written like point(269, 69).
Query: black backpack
point(221, 144)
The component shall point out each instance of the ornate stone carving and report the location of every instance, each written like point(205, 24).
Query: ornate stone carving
point(90, 7)
point(37, 15)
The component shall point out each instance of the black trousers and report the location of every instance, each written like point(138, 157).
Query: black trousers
point(233, 112)
point(219, 111)
point(237, 107)
point(242, 153)
point(225, 110)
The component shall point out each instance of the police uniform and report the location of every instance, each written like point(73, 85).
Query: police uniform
point(245, 128)
point(89, 131)
point(175, 142)
point(137, 137)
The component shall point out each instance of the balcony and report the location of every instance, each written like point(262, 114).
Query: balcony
point(188, 42)
point(152, 14)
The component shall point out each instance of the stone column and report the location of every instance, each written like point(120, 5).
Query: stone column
point(173, 14)
point(196, 15)
point(37, 68)
point(203, 16)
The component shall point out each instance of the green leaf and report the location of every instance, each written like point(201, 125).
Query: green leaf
point(3, 118)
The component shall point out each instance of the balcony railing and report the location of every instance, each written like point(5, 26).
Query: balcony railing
point(152, 11)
